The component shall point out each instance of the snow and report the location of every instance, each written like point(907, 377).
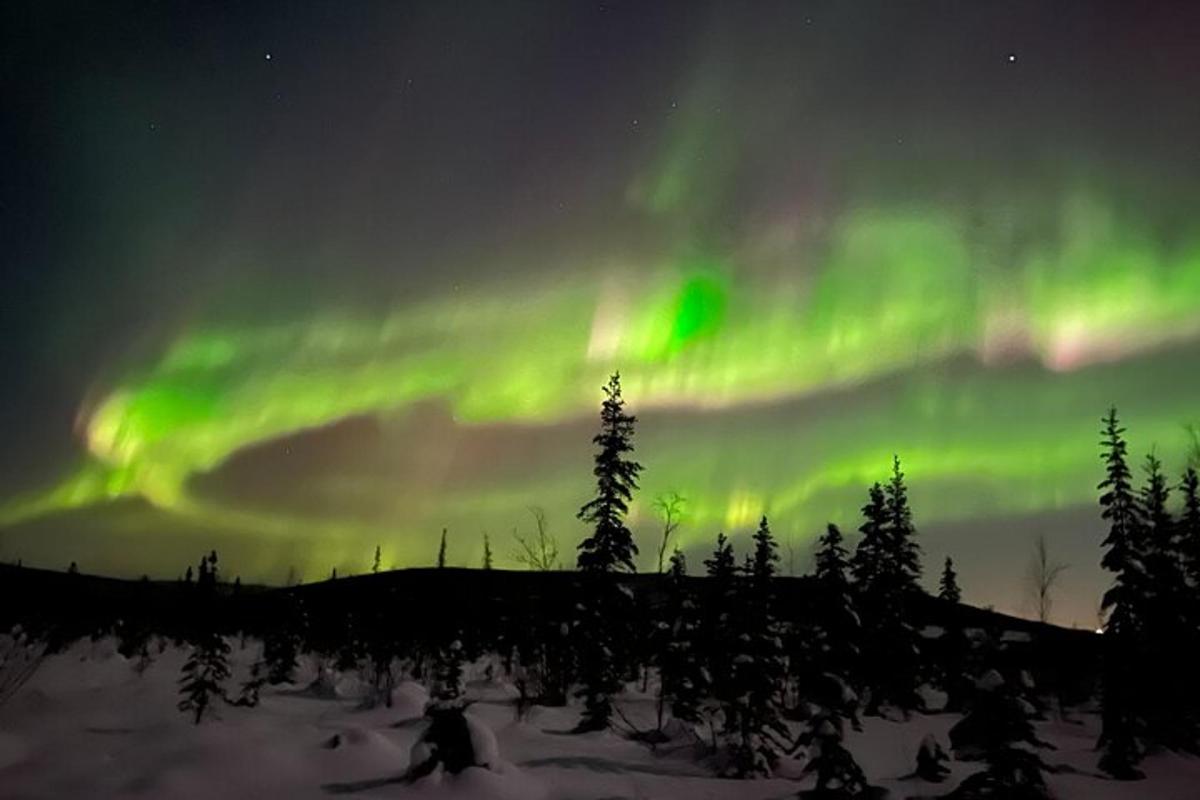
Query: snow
point(933, 699)
point(87, 725)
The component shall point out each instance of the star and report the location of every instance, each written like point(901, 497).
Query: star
point(268, 56)
point(1012, 58)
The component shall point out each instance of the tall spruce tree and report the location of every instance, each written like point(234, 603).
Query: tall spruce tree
point(606, 606)
point(681, 674)
point(718, 633)
point(610, 548)
point(886, 567)
point(441, 558)
point(487, 552)
point(870, 557)
point(1189, 533)
point(952, 648)
point(1171, 717)
point(754, 727)
point(1188, 543)
point(1122, 715)
point(903, 549)
point(839, 629)
point(948, 585)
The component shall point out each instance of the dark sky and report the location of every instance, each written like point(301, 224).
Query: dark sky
point(295, 279)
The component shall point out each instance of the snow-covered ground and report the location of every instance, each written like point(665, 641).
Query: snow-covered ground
point(88, 726)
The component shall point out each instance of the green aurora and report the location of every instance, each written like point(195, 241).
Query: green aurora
point(789, 300)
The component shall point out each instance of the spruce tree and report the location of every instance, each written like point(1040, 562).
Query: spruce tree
point(281, 643)
point(754, 726)
point(953, 646)
point(838, 627)
point(999, 732)
point(870, 556)
point(1171, 717)
point(1188, 544)
point(1122, 715)
point(718, 636)
point(827, 683)
point(903, 550)
point(886, 567)
point(611, 548)
point(204, 675)
point(248, 694)
point(606, 606)
point(441, 558)
point(948, 585)
point(681, 674)
point(375, 562)
point(1189, 533)
point(201, 683)
point(487, 552)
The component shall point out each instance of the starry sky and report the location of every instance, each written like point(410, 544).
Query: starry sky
point(292, 280)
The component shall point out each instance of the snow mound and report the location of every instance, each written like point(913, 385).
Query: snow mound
point(351, 687)
point(483, 742)
point(990, 681)
point(932, 699)
point(409, 699)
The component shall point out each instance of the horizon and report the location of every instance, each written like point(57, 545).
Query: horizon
point(292, 286)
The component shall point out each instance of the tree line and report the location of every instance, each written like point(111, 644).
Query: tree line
point(753, 680)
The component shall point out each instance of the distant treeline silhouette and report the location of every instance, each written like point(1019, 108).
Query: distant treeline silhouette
point(751, 665)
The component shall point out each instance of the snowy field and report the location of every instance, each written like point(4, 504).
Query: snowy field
point(87, 725)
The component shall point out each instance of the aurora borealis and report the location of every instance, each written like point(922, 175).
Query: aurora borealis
point(370, 286)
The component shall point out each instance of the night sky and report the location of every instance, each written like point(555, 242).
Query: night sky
point(292, 281)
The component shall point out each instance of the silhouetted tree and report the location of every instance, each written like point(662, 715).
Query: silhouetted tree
point(1189, 533)
point(886, 567)
point(904, 552)
point(281, 644)
point(207, 667)
point(610, 548)
point(870, 557)
point(375, 562)
point(681, 673)
point(1043, 576)
point(836, 628)
point(1122, 717)
point(248, 693)
point(998, 731)
point(948, 585)
point(670, 507)
point(441, 558)
point(754, 726)
point(487, 552)
point(719, 636)
point(606, 606)
point(538, 552)
point(1172, 718)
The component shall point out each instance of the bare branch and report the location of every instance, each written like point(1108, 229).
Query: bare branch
point(1044, 573)
point(539, 552)
point(670, 507)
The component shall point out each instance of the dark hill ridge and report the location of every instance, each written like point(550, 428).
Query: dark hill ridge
point(430, 603)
